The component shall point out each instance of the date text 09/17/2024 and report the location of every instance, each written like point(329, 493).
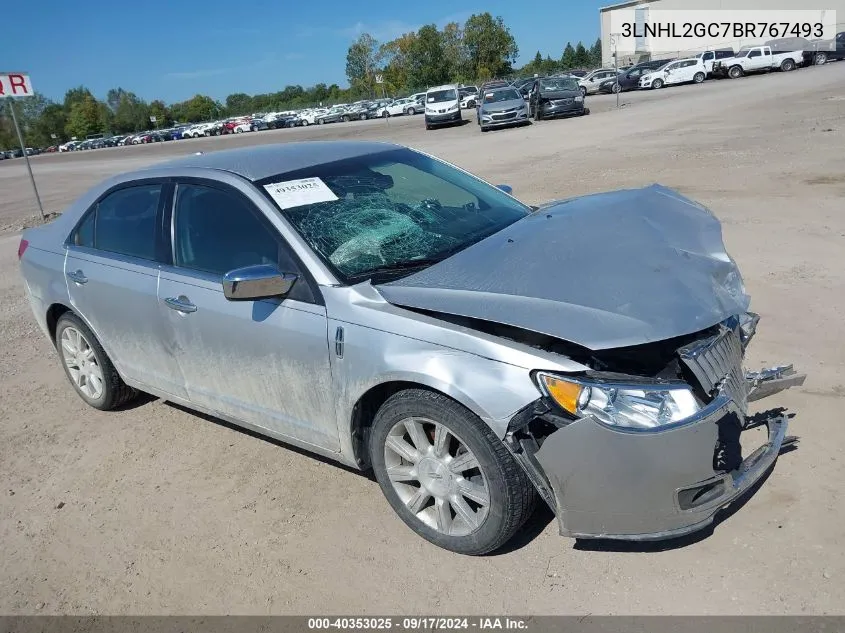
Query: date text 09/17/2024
point(418, 623)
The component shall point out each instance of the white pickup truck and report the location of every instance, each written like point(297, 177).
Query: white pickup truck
point(756, 59)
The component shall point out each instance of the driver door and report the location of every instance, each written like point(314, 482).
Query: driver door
point(264, 362)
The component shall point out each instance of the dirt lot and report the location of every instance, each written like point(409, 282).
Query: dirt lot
point(158, 510)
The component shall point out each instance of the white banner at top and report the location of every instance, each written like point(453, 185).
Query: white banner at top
point(641, 28)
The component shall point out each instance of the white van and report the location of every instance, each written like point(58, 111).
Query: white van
point(442, 106)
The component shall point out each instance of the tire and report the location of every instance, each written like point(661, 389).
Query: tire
point(345, 118)
point(586, 111)
point(787, 65)
point(583, 91)
point(484, 128)
point(427, 126)
point(657, 84)
point(238, 130)
point(820, 58)
point(113, 391)
point(502, 498)
point(412, 111)
point(385, 114)
point(615, 88)
point(304, 122)
point(363, 117)
point(735, 72)
point(320, 121)
point(698, 78)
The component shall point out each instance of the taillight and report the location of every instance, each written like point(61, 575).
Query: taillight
point(22, 247)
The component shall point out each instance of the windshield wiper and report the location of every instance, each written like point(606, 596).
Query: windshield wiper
point(409, 265)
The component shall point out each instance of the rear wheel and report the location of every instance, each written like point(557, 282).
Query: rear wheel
point(698, 78)
point(363, 117)
point(346, 118)
point(446, 475)
point(385, 114)
point(304, 122)
point(320, 121)
point(412, 111)
point(787, 65)
point(87, 366)
point(615, 88)
point(820, 58)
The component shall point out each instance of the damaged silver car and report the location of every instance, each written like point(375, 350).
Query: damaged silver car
point(381, 307)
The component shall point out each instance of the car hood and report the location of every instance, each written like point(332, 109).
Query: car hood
point(500, 106)
point(608, 270)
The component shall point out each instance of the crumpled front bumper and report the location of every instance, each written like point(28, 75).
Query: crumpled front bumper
point(614, 483)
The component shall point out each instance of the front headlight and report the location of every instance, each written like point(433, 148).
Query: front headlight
point(579, 99)
point(453, 108)
point(629, 405)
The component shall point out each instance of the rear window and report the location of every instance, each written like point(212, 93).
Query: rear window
point(124, 223)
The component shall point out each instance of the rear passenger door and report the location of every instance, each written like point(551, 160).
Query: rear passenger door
point(112, 271)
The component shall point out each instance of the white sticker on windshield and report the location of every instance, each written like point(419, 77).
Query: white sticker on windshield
point(296, 193)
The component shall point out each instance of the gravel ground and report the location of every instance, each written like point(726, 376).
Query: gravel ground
point(155, 509)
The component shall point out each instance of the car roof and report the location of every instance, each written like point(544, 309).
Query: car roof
point(262, 161)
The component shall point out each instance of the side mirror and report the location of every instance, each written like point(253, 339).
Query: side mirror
point(506, 188)
point(262, 281)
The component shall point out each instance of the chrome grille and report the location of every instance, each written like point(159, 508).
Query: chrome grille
point(718, 361)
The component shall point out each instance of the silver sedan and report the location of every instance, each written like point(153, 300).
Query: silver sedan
point(381, 307)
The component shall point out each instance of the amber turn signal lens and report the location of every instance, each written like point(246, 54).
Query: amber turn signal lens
point(563, 392)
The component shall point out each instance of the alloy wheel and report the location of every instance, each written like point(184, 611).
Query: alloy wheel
point(78, 356)
point(436, 476)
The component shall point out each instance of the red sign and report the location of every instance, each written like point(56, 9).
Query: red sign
point(15, 85)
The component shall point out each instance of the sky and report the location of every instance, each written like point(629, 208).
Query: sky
point(174, 49)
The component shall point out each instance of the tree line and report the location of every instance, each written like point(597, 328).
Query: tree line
point(479, 49)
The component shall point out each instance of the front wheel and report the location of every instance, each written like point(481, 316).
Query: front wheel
point(320, 121)
point(615, 88)
point(735, 72)
point(445, 473)
point(87, 366)
point(583, 91)
point(363, 117)
point(698, 78)
point(657, 84)
point(412, 111)
point(385, 114)
point(345, 119)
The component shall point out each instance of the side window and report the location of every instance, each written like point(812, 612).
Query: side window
point(217, 231)
point(124, 222)
point(755, 53)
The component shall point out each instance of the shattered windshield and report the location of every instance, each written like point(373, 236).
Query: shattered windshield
point(385, 215)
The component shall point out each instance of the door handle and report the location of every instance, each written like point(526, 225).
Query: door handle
point(77, 277)
point(180, 304)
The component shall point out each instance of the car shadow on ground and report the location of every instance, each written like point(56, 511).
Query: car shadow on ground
point(608, 545)
point(271, 440)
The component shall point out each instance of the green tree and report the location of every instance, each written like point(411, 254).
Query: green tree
point(76, 95)
point(51, 121)
point(84, 118)
point(131, 114)
point(595, 53)
point(200, 108)
point(162, 115)
point(582, 57)
point(361, 63)
point(238, 103)
point(567, 60)
point(492, 49)
point(427, 63)
point(455, 50)
point(395, 56)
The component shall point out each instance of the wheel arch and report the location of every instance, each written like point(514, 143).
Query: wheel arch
point(365, 409)
point(54, 313)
